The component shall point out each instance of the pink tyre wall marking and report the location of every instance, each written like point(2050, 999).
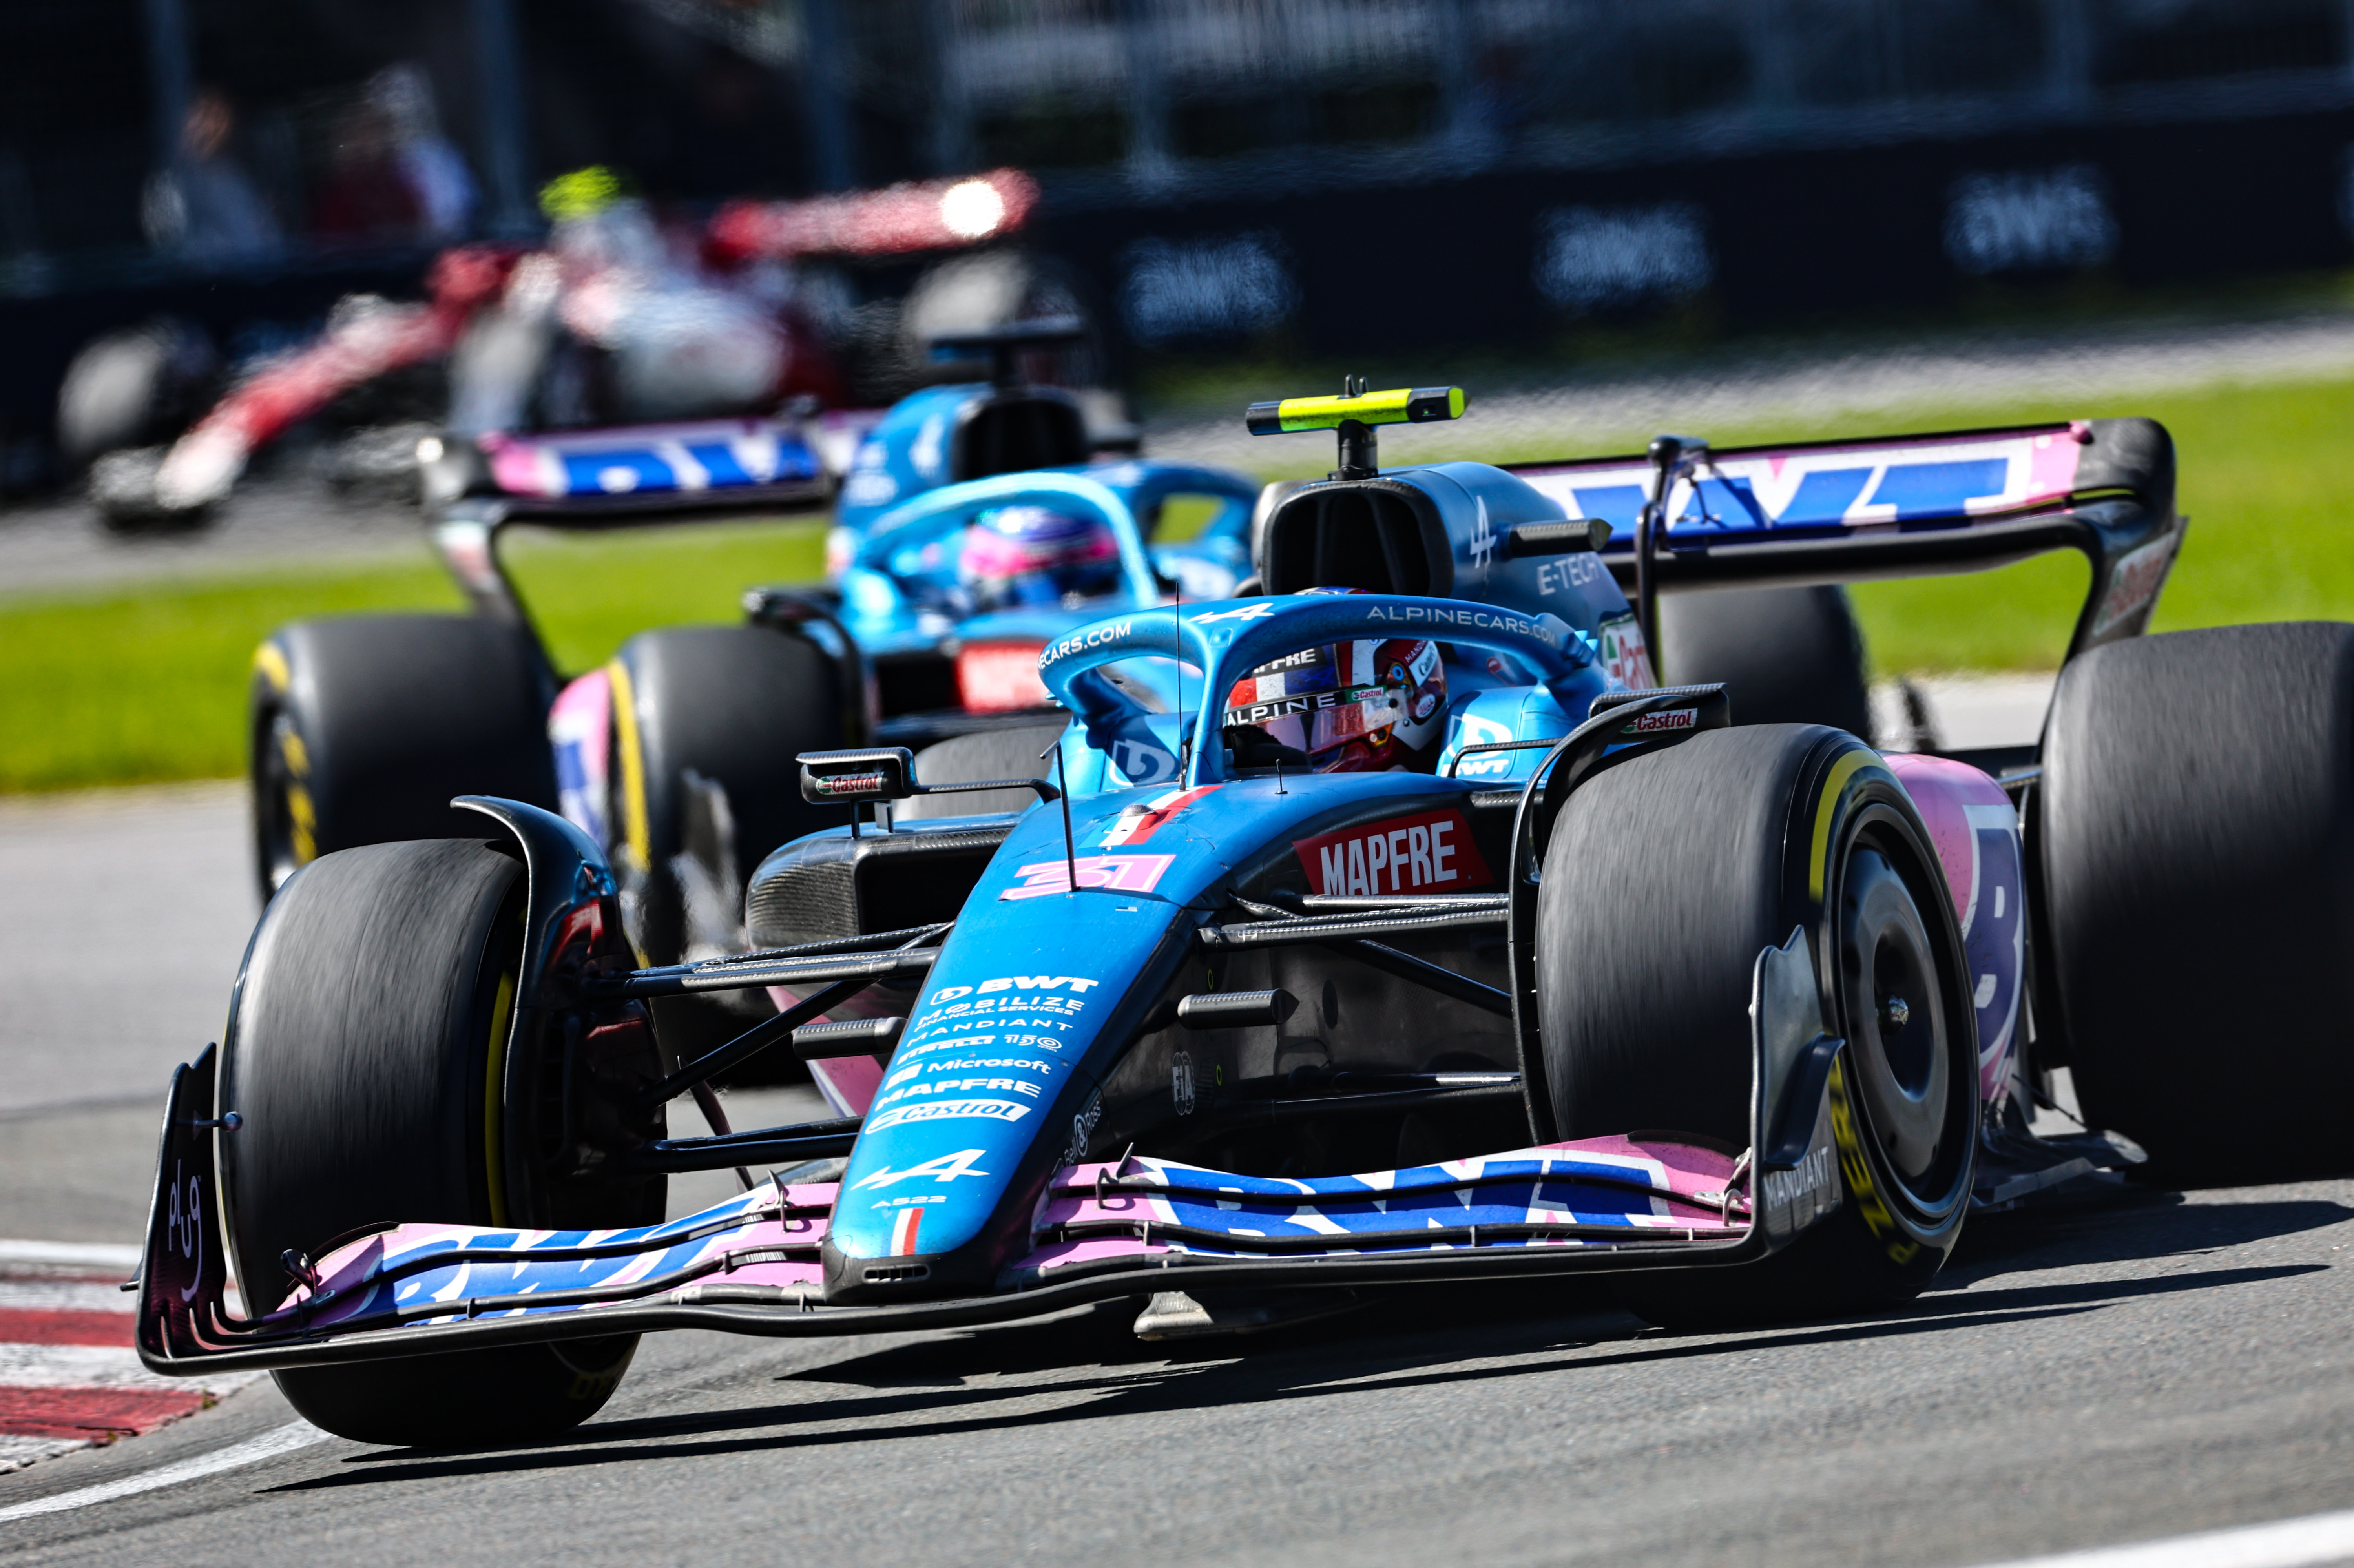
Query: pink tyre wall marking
point(1976, 835)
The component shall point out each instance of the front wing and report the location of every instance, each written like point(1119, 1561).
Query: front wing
point(750, 1264)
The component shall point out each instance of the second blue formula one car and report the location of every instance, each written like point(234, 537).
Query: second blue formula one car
point(677, 755)
point(1394, 938)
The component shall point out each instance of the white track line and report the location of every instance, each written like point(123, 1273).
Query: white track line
point(91, 1366)
point(92, 1254)
point(269, 1444)
point(2289, 1544)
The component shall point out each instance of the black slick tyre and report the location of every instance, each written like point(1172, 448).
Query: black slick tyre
point(2195, 829)
point(708, 726)
point(1666, 874)
point(1785, 655)
point(697, 706)
point(363, 1057)
point(976, 758)
point(361, 728)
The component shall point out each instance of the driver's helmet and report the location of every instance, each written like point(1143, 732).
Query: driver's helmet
point(1367, 706)
point(1034, 556)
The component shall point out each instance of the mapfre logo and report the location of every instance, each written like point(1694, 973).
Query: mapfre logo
point(1431, 852)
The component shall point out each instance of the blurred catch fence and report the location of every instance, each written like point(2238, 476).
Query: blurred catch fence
point(1333, 176)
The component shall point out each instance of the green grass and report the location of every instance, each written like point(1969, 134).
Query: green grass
point(138, 684)
point(133, 684)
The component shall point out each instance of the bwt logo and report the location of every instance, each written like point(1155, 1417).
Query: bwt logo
point(1013, 982)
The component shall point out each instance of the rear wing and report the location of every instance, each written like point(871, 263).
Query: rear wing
point(700, 470)
point(588, 478)
point(1903, 507)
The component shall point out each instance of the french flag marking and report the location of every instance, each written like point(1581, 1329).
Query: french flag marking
point(903, 1232)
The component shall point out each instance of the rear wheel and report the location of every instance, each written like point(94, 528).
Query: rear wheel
point(1785, 655)
point(1668, 874)
point(362, 727)
point(2195, 825)
point(709, 723)
point(364, 1059)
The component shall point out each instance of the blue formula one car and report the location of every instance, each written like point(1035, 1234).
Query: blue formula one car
point(1404, 940)
point(677, 755)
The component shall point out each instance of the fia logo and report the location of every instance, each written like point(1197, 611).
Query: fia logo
point(1483, 538)
point(1181, 1082)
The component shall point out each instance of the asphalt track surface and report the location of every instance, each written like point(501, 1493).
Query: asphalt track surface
point(2124, 1371)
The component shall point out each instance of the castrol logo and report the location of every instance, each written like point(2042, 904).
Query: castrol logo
point(1661, 723)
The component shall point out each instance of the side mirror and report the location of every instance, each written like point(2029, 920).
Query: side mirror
point(885, 773)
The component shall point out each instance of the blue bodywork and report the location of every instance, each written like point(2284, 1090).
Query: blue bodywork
point(897, 576)
point(998, 1076)
point(907, 455)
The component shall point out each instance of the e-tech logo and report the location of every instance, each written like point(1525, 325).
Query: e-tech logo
point(1013, 982)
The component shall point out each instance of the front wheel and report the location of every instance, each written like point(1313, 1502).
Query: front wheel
point(365, 1059)
point(1667, 875)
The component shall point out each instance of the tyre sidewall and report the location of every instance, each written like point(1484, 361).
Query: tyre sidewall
point(1749, 831)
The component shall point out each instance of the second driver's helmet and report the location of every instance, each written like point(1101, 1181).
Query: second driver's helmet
point(1037, 558)
point(1367, 706)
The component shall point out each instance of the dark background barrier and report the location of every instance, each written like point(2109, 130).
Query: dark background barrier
point(1337, 177)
